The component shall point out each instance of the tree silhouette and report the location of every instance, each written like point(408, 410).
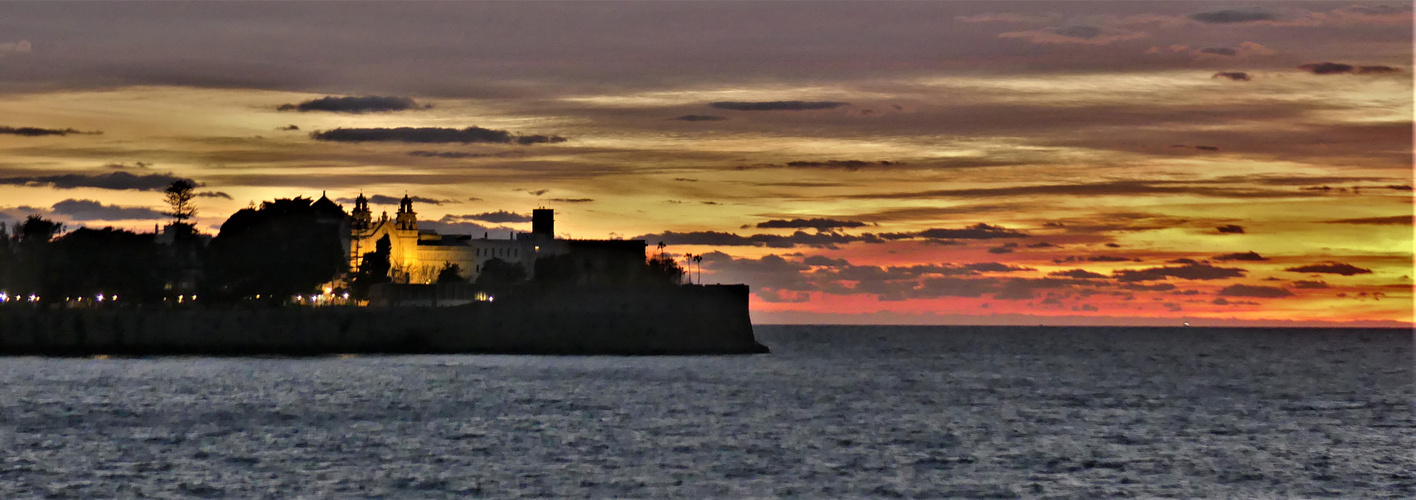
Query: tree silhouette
point(664, 271)
point(28, 256)
point(450, 273)
point(89, 262)
point(38, 229)
point(179, 197)
point(9, 259)
point(499, 273)
point(283, 248)
point(373, 269)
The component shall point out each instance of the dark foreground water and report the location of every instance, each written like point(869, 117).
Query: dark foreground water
point(833, 412)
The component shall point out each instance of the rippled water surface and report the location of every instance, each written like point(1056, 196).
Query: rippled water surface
point(833, 412)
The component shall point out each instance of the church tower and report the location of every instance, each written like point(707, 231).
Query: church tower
point(363, 218)
point(406, 218)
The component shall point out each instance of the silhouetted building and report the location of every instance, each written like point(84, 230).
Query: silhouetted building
point(417, 256)
point(543, 222)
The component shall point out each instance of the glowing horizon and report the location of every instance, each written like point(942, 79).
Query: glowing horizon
point(1118, 163)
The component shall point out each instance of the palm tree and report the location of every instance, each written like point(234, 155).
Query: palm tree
point(688, 263)
point(698, 259)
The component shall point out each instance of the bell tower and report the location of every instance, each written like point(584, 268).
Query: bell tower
point(363, 218)
point(406, 218)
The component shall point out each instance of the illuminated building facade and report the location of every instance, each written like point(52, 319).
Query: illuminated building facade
point(417, 256)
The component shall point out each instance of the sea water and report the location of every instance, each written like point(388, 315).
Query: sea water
point(845, 411)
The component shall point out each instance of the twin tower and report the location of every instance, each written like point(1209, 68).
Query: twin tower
point(543, 220)
point(418, 256)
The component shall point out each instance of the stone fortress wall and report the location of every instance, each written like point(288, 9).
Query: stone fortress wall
point(673, 320)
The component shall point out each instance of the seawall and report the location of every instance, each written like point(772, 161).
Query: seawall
point(683, 320)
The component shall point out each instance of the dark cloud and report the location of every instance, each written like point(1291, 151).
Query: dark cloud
point(1219, 51)
point(1246, 256)
point(1310, 284)
point(453, 225)
point(497, 217)
point(461, 154)
point(980, 231)
point(1330, 267)
point(140, 165)
point(1106, 258)
point(771, 271)
point(699, 118)
point(1041, 244)
point(1222, 188)
point(291, 127)
point(819, 224)
point(1366, 70)
point(774, 295)
point(846, 164)
point(1233, 16)
point(1023, 288)
point(213, 194)
point(379, 199)
point(718, 238)
point(1394, 220)
point(1327, 68)
point(904, 282)
point(1185, 272)
point(825, 239)
point(778, 105)
point(1157, 287)
point(1230, 229)
point(572, 200)
point(1004, 248)
point(1076, 273)
point(364, 104)
point(1323, 188)
point(423, 135)
point(954, 287)
point(1267, 292)
point(995, 267)
point(37, 132)
point(93, 210)
point(1238, 76)
point(122, 181)
point(527, 140)
point(821, 260)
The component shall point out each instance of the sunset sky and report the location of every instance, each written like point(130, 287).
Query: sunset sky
point(899, 162)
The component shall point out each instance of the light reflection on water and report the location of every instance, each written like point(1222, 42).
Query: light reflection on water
point(834, 411)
